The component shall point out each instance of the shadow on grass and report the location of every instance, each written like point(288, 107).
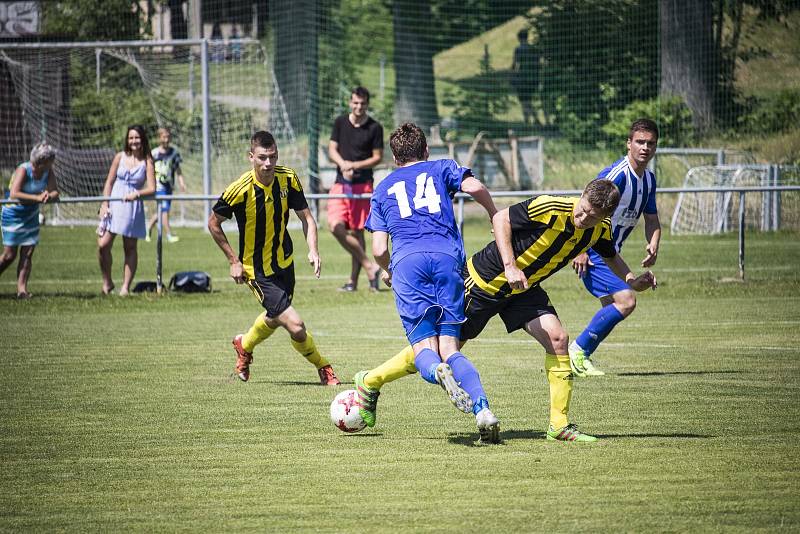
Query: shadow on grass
point(471, 440)
point(672, 373)
point(298, 383)
point(677, 435)
point(38, 295)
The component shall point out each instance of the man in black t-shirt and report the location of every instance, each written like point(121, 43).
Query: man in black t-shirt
point(356, 146)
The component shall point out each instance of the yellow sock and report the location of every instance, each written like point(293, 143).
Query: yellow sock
point(559, 375)
point(257, 333)
point(398, 366)
point(309, 351)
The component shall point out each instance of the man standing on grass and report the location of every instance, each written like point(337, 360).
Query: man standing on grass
point(260, 200)
point(413, 206)
point(637, 186)
point(533, 240)
point(356, 146)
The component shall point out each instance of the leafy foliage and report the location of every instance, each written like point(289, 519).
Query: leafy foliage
point(479, 103)
point(343, 50)
point(773, 113)
point(673, 116)
point(94, 20)
point(613, 62)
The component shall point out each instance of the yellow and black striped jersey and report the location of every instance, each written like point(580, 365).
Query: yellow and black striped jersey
point(262, 213)
point(544, 240)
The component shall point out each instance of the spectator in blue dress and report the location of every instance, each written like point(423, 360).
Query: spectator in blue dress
point(32, 183)
point(131, 177)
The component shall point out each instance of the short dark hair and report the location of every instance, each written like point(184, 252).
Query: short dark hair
point(143, 134)
point(603, 195)
point(643, 125)
point(408, 143)
point(360, 92)
point(522, 35)
point(263, 139)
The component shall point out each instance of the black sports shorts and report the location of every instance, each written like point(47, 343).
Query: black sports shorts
point(515, 311)
point(274, 292)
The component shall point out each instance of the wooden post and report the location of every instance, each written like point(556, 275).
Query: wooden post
point(512, 140)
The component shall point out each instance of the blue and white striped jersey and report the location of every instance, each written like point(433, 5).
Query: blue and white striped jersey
point(637, 196)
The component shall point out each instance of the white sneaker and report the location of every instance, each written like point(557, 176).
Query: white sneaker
point(591, 370)
point(488, 426)
point(459, 397)
point(173, 239)
point(577, 360)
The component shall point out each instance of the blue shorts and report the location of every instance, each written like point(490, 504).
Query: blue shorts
point(162, 190)
point(429, 294)
point(600, 280)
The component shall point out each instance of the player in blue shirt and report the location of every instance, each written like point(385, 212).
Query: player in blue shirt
point(413, 207)
point(637, 187)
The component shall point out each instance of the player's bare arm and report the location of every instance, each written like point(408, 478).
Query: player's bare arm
point(646, 280)
point(215, 228)
point(474, 188)
point(652, 232)
point(310, 231)
point(501, 224)
point(581, 264)
point(380, 250)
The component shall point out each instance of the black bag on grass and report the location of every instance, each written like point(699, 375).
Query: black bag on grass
point(191, 282)
point(145, 287)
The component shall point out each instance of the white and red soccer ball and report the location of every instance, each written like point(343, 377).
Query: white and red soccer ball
point(344, 412)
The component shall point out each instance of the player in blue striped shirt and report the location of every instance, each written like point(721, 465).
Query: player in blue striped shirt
point(637, 187)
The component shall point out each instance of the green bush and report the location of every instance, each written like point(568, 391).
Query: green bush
point(772, 113)
point(673, 116)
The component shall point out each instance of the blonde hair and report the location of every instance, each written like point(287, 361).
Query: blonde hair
point(42, 152)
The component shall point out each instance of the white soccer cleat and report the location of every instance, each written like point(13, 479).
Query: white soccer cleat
point(459, 397)
point(488, 426)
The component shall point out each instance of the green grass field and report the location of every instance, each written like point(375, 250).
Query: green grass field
point(119, 414)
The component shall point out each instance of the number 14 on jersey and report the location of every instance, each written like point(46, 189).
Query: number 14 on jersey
point(424, 197)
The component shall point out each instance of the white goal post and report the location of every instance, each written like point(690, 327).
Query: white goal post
point(712, 212)
point(81, 97)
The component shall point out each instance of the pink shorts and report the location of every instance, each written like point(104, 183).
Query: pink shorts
point(352, 212)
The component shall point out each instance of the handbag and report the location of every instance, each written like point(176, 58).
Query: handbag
point(191, 282)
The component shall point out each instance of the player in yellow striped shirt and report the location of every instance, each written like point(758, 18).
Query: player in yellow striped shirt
point(260, 200)
point(533, 239)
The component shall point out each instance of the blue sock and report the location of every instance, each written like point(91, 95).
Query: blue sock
point(599, 327)
point(466, 375)
point(479, 405)
point(426, 362)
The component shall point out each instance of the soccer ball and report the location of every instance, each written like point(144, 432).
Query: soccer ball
point(344, 412)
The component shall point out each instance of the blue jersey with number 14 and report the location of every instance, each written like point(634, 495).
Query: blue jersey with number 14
point(414, 206)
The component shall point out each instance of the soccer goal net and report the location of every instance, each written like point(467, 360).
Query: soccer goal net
point(716, 212)
point(82, 97)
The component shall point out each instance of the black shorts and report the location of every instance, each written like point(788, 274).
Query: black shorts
point(515, 311)
point(274, 292)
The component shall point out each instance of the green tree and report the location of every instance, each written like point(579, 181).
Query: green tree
point(700, 46)
point(94, 20)
point(612, 62)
